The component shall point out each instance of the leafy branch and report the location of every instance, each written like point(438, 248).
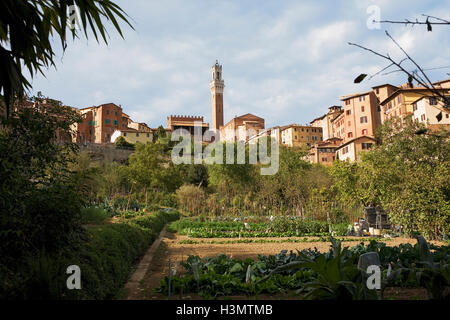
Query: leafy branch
point(26, 29)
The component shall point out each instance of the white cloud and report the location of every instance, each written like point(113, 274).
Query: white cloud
point(286, 61)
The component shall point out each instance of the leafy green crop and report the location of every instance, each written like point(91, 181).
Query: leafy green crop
point(314, 275)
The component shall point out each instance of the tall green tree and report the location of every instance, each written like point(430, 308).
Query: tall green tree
point(28, 26)
point(407, 174)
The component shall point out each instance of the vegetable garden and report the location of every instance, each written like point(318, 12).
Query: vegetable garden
point(310, 274)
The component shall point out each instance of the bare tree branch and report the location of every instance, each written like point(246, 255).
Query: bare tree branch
point(427, 22)
point(411, 75)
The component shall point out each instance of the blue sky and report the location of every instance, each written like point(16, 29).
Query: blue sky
point(286, 61)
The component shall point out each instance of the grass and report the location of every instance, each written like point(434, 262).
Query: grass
point(106, 258)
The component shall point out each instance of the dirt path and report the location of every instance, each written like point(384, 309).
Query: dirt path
point(170, 248)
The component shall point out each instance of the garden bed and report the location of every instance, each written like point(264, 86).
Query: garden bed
point(176, 248)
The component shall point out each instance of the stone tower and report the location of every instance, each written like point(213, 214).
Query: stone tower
point(216, 85)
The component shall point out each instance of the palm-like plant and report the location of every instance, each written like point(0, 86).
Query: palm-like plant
point(26, 29)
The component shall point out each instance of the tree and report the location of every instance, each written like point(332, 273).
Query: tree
point(26, 29)
point(145, 166)
point(39, 202)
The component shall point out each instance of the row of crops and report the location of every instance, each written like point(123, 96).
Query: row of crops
point(277, 227)
point(312, 274)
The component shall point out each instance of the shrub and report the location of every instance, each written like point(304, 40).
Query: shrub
point(93, 215)
point(191, 198)
point(105, 259)
point(121, 143)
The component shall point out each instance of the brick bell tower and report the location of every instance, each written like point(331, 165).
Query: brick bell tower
point(216, 85)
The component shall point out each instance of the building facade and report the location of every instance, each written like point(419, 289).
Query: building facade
point(324, 152)
point(351, 149)
point(187, 122)
point(241, 128)
point(296, 135)
point(430, 111)
point(133, 136)
point(326, 121)
point(401, 102)
point(360, 117)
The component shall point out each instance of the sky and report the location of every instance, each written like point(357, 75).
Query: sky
point(285, 61)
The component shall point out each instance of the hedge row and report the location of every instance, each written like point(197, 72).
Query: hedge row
point(106, 260)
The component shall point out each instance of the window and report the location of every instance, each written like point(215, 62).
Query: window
point(148, 135)
point(124, 134)
point(95, 113)
point(115, 113)
point(432, 101)
point(107, 135)
point(422, 117)
point(303, 129)
point(399, 99)
point(362, 98)
point(89, 123)
point(347, 102)
point(107, 111)
point(366, 146)
point(324, 159)
point(363, 119)
point(108, 121)
point(295, 137)
point(364, 131)
point(116, 122)
point(295, 129)
point(362, 108)
point(348, 112)
point(415, 107)
point(377, 90)
point(307, 130)
point(350, 134)
point(446, 115)
point(95, 123)
point(137, 134)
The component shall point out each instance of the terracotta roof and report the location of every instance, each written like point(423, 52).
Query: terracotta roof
point(354, 95)
point(382, 85)
point(318, 118)
point(355, 139)
point(396, 92)
point(442, 81)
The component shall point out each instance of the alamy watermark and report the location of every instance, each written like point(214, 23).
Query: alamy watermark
point(230, 151)
point(73, 17)
point(74, 280)
point(373, 21)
